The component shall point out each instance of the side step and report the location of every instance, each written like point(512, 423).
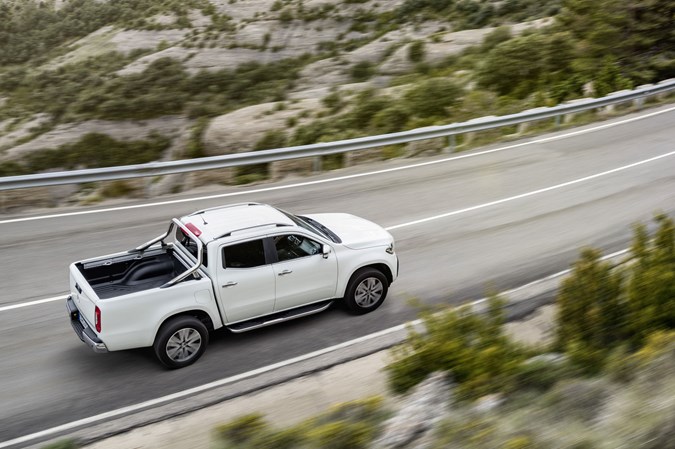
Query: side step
point(279, 317)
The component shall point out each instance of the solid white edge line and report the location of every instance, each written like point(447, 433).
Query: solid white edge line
point(343, 178)
point(199, 389)
point(255, 372)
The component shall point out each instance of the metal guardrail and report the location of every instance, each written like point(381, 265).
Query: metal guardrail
point(322, 149)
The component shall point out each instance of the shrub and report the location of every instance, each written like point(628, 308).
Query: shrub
point(242, 429)
point(432, 98)
point(362, 71)
point(651, 285)
point(496, 37)
point(472, 348)
point(342, 435)
point(540, 375)
point(98, 150)
point(582, 399)
point(390, 119)
point(195, 146)
point(416, 51)
point(116, 189)
point(601, 308)
point(366, 105)
point(591, 312)
point(368, 410)
point(333, 101)
point(62, 444)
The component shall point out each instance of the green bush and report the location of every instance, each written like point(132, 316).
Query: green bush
point(362, 71)
point(242, 430)
point(432, 98)
point(496, 37)
point(601, 307)
point(390, 119)
point(116, 189)
point(416, 51)
point(591, 310)
point(97, 150)
point(367, 410)
point(345, 426)
point(540, 375)
point(651, 285)
point(62, 444)
point(341, 435)
point(473, 349)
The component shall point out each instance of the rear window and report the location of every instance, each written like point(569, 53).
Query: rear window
point(190, 245)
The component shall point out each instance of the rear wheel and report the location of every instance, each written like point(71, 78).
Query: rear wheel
point(181, 341)
point(366, 291)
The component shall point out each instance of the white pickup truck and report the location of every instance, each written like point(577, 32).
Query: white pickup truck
point(240, 266)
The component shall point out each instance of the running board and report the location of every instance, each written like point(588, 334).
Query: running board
point(280, 317)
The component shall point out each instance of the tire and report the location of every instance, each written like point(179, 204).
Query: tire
point(181, 341)
point(366, 291)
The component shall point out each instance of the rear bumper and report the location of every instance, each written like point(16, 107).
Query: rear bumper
point(83, 332)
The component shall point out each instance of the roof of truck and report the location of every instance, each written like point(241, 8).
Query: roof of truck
point(226, 220)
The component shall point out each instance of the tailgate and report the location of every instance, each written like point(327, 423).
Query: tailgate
point(83, 295)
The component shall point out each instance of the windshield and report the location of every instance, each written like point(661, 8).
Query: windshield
point(312, 226)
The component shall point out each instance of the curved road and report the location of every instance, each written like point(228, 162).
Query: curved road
point(462, 222)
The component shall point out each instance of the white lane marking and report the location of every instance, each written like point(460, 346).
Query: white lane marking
point(32, 303)
point(255, 372)
point(199, 389)
point(447, 214)
point(340, 178)
point(532, 193)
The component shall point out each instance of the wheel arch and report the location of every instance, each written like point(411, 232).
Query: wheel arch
point(381, 267)
point(201, 315)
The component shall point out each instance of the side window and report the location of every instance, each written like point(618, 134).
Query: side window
point(244, 255)
point(293, 246)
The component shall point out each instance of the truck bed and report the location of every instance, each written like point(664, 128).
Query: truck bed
point(130, 273)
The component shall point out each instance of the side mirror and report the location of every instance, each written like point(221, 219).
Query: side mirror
point(326, 250)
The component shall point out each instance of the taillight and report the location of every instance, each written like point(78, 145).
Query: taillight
point(97, 319)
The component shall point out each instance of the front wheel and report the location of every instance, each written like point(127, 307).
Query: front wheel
point(366, 291)
point(181, 341)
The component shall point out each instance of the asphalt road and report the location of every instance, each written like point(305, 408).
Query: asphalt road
point(499, 219)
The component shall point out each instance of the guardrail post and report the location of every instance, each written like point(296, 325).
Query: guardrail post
point(638, 103)
point(452, 144)
point(522, 128)
point(556, 123)
point(316, 164)
point(347, 159)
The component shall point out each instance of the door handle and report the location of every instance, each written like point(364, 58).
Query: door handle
point(285, 272)
point(229, 284)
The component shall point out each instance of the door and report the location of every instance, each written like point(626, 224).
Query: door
point(246, 281)
point(303, 274)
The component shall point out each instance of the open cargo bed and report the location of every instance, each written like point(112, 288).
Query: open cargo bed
point(133, 272)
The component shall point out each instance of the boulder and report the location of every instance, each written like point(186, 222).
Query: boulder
point(421, 411)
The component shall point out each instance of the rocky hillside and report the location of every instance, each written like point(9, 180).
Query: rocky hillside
point(149, 80)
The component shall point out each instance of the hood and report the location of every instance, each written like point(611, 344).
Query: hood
point(355, 232)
